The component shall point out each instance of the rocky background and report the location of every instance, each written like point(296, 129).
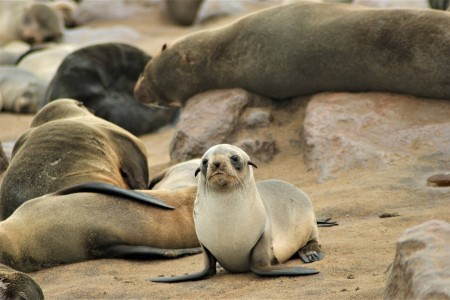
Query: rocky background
point(364, 159)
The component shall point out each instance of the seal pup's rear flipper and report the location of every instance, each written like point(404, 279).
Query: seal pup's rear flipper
point(146, 251)
point(326, 223)
point(209, 270)
point(108, 189)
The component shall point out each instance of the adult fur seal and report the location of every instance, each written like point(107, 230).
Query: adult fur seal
point(247, 226)
point(30, 22)
point(96, 220)
point(67, 145)
point(17, 285)
point(103, 76)
point(304, 48)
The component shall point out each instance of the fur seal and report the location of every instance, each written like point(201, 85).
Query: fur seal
point(18, 285)
point(304, 48)
point(67, 145)
point(439, 4)
point(103, 76)
point(21, 90)
point(247, 226)
point(28, 21)
point(97, 220)
point(177, 176)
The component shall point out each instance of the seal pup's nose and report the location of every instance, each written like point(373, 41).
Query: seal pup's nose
point(216, 164)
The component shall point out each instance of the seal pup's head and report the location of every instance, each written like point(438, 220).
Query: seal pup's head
point(224, 167)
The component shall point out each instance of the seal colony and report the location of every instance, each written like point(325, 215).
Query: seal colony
point(248, 226)
point(304, 48)
point(66, 145)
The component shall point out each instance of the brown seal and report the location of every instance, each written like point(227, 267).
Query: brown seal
point(248, 226)
point(17, 285)
point(98, 220)
point(304, 48)
point(31, 22)
point(67, 145)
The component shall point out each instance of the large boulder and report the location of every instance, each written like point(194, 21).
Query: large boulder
point(343, 131)
point(421, 268)
point(214, 117)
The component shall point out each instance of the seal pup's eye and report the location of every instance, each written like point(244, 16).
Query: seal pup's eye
point(204, 162)
point(236, 162)
point(235, 158)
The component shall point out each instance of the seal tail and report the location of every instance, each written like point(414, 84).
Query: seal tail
point(108, 189)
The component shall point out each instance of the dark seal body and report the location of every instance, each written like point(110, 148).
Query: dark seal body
point(103, 77)
point(304, 48)
point(67, 145)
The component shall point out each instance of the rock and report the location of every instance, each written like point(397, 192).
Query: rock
point(344, 131)
point(440, 179)
point(261, 150)
point(421, 268)
point(258, 118)
point(208, 119)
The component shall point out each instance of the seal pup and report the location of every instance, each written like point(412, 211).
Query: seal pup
point(177, 176)
point(103, 76)
point(247, 226)
point(18, 285)
point(97, 220)
point(304, 48)
point(28, 21)
point(67, 145)
point(20, 89)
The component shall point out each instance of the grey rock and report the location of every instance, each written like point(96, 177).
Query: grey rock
point(421, 268)
point(261, 150)
point(344, 131)
point(208, 119)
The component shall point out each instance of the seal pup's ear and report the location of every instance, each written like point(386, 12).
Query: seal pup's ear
point(196, 172)
point(164, 47)
point(252, 164)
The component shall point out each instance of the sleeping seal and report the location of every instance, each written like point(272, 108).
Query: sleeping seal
point(304, 48)
point(67, 145)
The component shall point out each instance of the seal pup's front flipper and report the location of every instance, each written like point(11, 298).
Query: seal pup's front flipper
point(209, 270)
point(264, 263)
point(146, 251)
point(108, 189)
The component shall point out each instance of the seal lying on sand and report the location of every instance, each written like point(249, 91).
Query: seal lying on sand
point(30, 22)
point(304, 48)
point(247, 226)
point(20, 90)
point(17, 285)
point(103, 77)
point(96, 220)
point(67, 145)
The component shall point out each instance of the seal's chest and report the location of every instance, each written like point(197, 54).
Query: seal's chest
point(229, 239)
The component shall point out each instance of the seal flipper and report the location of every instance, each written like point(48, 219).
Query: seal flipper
point(146, 251)
point(109, 189)
point(326, 223)
point(209, 270)
point(311, 252)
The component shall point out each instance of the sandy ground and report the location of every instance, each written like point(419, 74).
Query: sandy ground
point(358, 251)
